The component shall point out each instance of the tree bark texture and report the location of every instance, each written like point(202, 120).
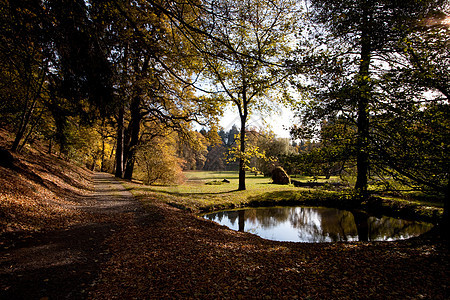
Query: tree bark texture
point(363, 98)
point(243, 114)
point(119, 146)
point(241, 159)
point(134, 130)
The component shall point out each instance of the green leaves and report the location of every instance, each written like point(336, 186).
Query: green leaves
point(251, 151)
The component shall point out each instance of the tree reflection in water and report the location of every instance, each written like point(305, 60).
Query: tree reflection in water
point(317, 224)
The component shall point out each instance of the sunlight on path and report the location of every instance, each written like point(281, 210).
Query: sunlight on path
point(111, 196)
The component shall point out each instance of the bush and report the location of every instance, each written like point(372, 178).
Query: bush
point(157, 162)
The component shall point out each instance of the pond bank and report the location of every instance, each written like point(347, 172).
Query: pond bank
point(376, 205)
point(201, 197)
point(307, 224)
point(175, 254)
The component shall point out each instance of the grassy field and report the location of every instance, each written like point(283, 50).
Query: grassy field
point(204, 191)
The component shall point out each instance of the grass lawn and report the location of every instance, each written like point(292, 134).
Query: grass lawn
point(204, 191)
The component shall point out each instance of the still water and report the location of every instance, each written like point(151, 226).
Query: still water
point(317, 224)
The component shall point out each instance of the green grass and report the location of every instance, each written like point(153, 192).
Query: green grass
point(199, 194)
point(418, 202)
point(304, 178)
point(204, 191)
point(210, 175)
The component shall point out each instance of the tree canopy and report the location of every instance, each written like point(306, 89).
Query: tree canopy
point(244, 54)
point(353, 47)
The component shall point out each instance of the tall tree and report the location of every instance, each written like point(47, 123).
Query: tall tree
point(354, 39)
point(152, 74)
point(25, 60)
point(413, 133)
point(244, 45)
point(52, 52)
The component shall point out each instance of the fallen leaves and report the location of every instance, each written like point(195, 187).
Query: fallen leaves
point(180, 256)
point(41, 192)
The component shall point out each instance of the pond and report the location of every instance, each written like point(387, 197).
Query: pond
point(317, 224)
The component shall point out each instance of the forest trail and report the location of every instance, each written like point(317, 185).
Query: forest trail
point(111, 197)
point(65, 263)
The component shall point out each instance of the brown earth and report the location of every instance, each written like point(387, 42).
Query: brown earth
point(177, 255)
point(64, 263)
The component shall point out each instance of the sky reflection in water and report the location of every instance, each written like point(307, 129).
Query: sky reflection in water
point(317, 224)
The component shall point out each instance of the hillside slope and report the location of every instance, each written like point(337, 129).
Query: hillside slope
point(39, 191)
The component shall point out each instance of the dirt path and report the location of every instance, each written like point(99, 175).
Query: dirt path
point(63, 264)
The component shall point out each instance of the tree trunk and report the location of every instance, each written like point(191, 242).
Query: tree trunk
point(120, 144)
point(126, 147)
point(18, 138)
point(102, 167)
point(241, 159)
point(30, 131)
point(135, 122)
point(119, 147)
point(23, 126)
point(363, 96)
point(135, 125)
point(243, 113)
point(445, 228)
point(28, 113)
point(60, 136)
point(362, 156)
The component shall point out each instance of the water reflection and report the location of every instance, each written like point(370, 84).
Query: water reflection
point(317, 224)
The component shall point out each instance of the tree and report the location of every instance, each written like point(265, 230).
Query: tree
point(159, 162)
point(245, 157)
point(244, 52)
point(272, 147)
point(193, 149)
point(153, 74)
point(54, 67)
point(352, 46)
point(330, 153)
point(25, 61)
point(412, 136)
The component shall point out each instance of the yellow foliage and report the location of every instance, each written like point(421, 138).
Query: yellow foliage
point(157, 162)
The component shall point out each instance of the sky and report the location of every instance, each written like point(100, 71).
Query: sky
point(279, 121)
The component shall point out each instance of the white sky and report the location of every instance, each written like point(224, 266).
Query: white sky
point(279, 122)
